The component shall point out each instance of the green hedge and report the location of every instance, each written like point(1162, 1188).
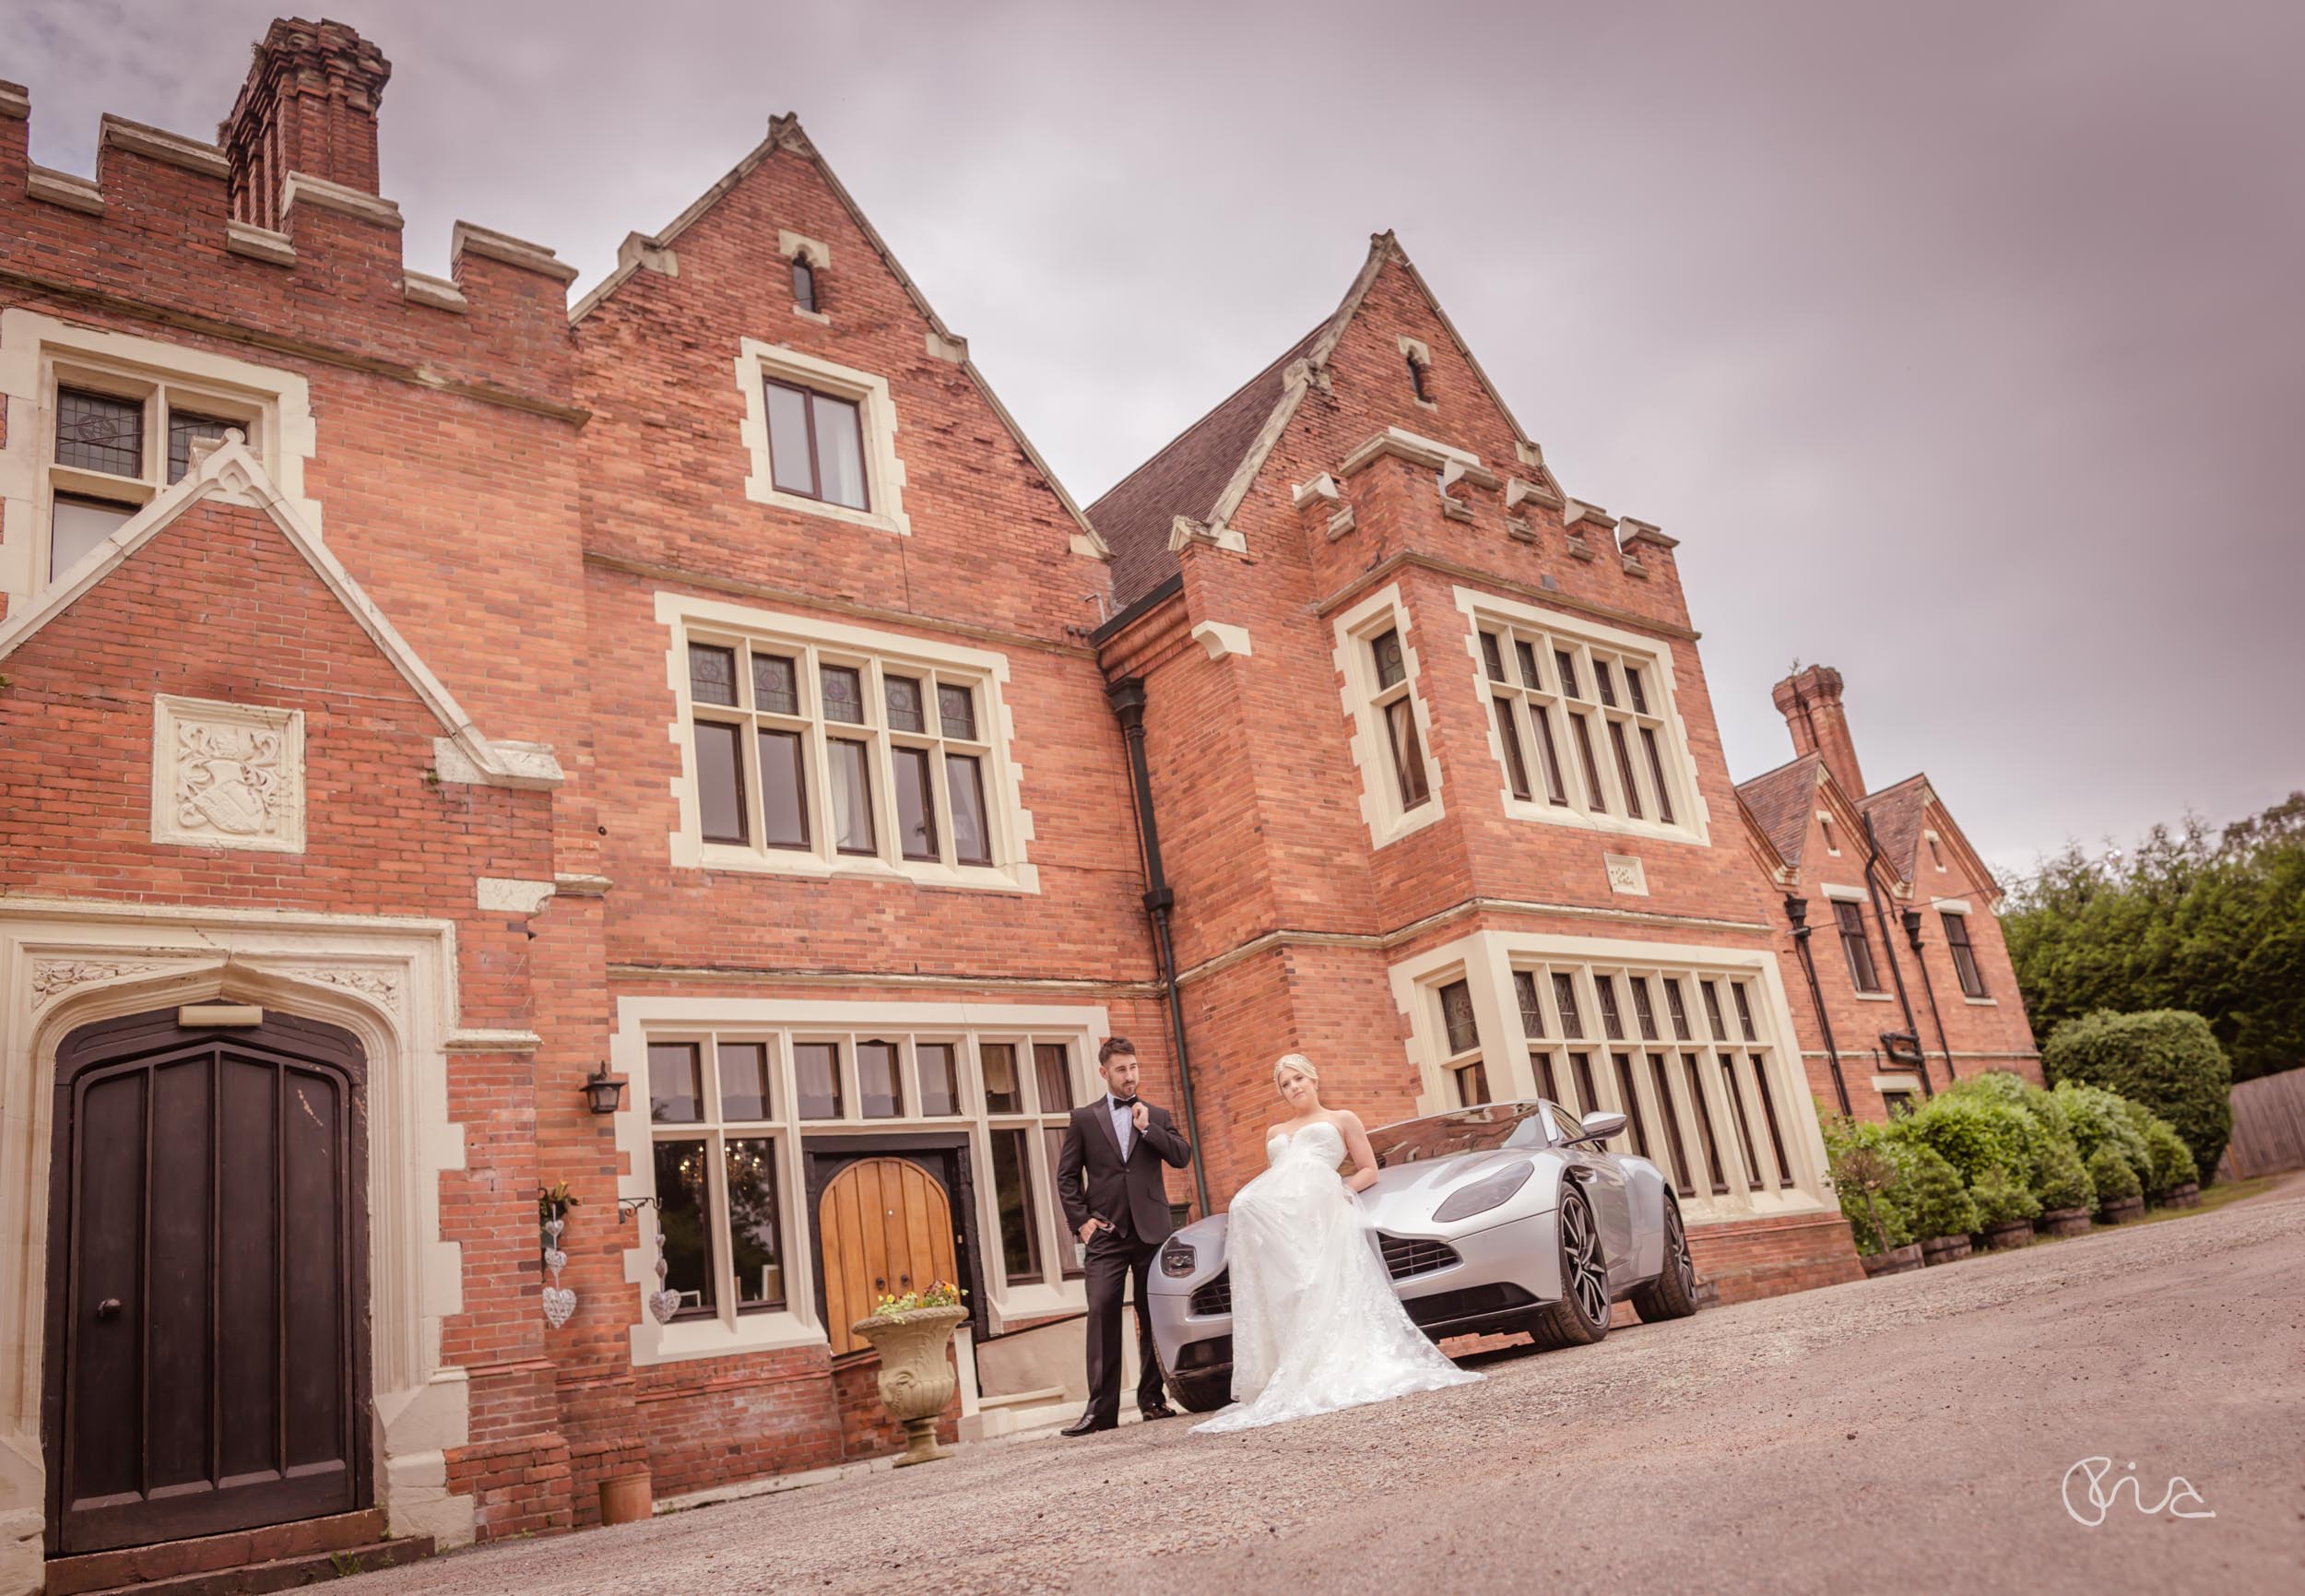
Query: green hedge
point(1998, 1197)
point(1930, 1196)
point(2172, 1160)
point(2112, 1177)
point(2063, 1180)
point(2165, 1060)
point(2100, 1119)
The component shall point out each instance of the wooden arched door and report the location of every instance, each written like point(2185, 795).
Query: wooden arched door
point(883, 1225)
point(208, 1281)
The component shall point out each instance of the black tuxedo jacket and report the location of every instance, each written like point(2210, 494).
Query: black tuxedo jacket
point(1093, 1180)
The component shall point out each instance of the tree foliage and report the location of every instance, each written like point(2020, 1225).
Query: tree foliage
point(2210, 921)
point(2165, 1062)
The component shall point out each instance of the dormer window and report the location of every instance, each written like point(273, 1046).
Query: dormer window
point(803, 283)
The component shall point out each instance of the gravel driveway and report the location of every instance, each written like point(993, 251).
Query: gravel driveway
point(1906, 1432)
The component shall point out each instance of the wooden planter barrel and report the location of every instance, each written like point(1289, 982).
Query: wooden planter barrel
point(2121, 1212)
point(1896, 1260)
point(1945, 1248)
point(2009, 1233)
point(2063, 1222)
point(2185, 1195)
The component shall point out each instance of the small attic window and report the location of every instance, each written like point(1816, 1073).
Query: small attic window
point(803, 282)
point(1416, 378)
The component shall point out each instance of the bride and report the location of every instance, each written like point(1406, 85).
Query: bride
point(1315, 1325)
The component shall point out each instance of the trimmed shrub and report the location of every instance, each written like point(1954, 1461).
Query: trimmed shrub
point(1930, 1196)
point(2100, 1119)
point(1866, 1175)
point(2112, 1177)
point(1997, 1197)
point(2172, 1160)
point(2062, 1180)
point(2165, 1059)
point(1973, 1133)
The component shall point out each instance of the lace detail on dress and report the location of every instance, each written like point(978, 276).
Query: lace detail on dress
point(1315, 1325)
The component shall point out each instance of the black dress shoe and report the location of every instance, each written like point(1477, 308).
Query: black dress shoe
point(1088, 1425)
point(1159, 1411)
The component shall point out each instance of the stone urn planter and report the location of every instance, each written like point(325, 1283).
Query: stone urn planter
point(917, 1375)
point(1943, 1249)
point(2185, 1195)
point(1896, 1260)
point(2121, 1212)
point(2009, 1233)
point(2063, 1222)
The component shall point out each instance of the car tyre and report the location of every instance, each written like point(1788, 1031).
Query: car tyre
point(1204, 1394)
point(1581, 1316)
point(1673, 1295)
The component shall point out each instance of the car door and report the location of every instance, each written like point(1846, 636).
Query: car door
point(1604, 1180)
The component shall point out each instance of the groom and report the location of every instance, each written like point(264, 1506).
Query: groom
point(1120, 1210)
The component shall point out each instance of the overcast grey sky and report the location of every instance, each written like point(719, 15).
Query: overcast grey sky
point(1959, 344)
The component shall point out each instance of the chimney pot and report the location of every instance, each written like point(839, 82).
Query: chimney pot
point(1811, 702)
point(309, 105)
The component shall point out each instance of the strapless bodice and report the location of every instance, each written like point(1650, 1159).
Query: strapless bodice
point(1320, 1141)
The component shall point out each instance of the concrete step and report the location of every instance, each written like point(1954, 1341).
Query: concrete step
point(141, 1565)
point(287, 1573)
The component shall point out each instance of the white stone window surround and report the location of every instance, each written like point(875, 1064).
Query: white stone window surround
point(1008, 822)
point(1355, 631)
point(38, 354)
point(1486, 960)
point(782, 1021)
point(757, 362)
point(391, 982)
point(1692, 817)
point(1962, 907)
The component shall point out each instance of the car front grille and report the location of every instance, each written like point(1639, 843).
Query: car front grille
point(1216, 1297)
point(1450, 1308)
point(1405, 1256)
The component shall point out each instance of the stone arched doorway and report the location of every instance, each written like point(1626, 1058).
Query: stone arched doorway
point(207, 1281)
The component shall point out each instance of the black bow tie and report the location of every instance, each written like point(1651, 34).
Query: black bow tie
point(1124, 1103)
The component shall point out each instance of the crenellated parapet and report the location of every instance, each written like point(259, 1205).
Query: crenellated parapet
point(176, 232)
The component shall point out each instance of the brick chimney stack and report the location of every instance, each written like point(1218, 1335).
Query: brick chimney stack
point(310, 106)
point(1811, 703)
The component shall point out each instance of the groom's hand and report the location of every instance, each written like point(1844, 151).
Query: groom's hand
point(1089, 1229)
point(1139, 1115)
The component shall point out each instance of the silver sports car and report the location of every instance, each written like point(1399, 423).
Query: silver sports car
point(1511, 1216)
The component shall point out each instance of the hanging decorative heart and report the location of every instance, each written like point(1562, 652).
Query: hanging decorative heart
point(663, 1304)
point(553, 1227)
point(560, 1302)
point(555, 1260)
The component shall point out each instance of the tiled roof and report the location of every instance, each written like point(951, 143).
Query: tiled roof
point(1185, 478)
point(1896, 813)
point(1783, 800)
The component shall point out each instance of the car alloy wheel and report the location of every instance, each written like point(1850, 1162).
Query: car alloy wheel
point(1580, 1249)
point(1677, 1239)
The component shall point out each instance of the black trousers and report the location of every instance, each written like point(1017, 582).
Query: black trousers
point(1113, 1261)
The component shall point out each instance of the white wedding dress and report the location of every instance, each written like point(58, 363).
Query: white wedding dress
point(1315, 1325)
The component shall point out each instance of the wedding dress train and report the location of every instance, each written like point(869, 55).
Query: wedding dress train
point(1315, 1325)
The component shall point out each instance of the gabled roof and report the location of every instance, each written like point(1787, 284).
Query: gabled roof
point(232, 474)
point(1204, 473)
point(1186, 479)
point(1896, 813)
point(785, 133)
point(1783, 802)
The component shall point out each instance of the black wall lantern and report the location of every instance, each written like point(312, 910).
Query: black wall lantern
point(603, 1091)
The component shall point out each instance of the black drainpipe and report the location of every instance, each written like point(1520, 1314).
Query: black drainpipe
point(1888, 944)
point(1912, 934)
point(1797, 911)
point(1127, 697)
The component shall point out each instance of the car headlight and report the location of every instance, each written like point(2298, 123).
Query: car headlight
point(1486, 1192)
point(1177, 1257)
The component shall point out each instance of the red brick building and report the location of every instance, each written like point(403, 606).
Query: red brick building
point(426, 707)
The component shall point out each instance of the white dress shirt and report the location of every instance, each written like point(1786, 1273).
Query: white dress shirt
point(1124, 1123)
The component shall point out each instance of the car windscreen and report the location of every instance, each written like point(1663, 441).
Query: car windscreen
point(1482, 1130)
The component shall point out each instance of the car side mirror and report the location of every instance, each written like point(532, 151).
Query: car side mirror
point(1600, 1127)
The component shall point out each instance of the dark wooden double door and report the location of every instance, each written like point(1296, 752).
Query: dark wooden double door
point(206, 1366)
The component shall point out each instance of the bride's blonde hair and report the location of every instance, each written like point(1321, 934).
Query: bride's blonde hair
point(1298, 1062)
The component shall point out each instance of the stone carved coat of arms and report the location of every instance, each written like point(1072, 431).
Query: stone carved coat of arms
point(228, 774)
